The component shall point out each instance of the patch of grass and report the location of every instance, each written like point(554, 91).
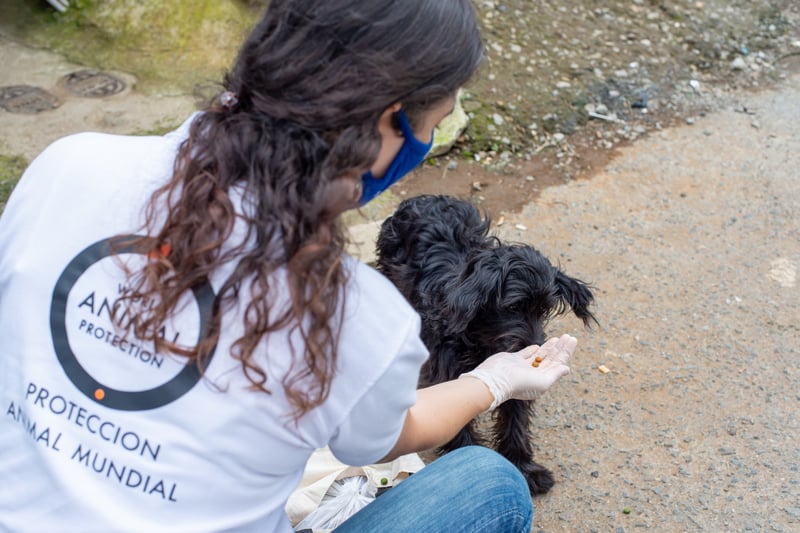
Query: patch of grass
point(168, 46)
point(162, 127)
point(11, 168)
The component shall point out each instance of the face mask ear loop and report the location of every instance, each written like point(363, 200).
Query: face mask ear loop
point(408, 133)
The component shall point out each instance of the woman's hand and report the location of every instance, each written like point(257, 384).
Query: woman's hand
point(513, 376)
point(443, 409)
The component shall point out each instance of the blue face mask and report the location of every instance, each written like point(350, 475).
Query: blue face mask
point(411, 154)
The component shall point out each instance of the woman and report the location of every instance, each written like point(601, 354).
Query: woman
point(182, 328)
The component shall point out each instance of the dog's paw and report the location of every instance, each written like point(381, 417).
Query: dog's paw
point(540, 479)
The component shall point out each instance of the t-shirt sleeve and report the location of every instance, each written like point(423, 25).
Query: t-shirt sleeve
point(373, 426)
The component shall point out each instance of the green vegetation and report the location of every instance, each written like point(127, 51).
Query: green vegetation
point(168, 46)
point(162, 127)
point(11, 168)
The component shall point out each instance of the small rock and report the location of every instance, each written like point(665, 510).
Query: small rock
point(739, 64)
point(449, 130)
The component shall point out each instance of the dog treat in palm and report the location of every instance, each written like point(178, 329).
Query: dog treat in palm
point(535, 364)
point(539, 359)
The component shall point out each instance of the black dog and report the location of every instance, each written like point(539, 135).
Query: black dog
point(477, 296)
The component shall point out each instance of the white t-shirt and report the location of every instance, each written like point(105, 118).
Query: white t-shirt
point(99, 432)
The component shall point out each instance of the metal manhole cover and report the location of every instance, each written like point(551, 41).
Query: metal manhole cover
point(92, 84)
point(26, 99)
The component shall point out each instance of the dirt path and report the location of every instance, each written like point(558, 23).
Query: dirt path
point(692, 239)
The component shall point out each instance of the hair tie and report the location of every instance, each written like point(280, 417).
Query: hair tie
point(229, 100)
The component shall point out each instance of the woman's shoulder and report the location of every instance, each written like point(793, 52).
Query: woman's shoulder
point(369, 284)
point(97, 157)
point(95, 145)
point(100, 160)
point(375, 310)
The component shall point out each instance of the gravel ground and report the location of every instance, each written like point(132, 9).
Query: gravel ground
point(568, 83)
point(692, 240)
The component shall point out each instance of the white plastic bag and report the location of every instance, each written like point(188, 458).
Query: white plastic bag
point(344, 499)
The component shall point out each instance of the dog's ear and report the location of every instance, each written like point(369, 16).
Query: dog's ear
point(576, 295)
point(467, 294)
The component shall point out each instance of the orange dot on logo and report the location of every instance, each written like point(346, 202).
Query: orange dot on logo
point(99, 394)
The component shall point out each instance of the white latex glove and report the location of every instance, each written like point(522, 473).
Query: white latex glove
point(512, 376)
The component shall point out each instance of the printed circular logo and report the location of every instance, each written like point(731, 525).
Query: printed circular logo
point(108, 365)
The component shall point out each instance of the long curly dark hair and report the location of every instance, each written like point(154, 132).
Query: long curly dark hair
point(312, 81)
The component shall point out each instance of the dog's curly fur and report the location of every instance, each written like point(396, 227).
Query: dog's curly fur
point(477, 296)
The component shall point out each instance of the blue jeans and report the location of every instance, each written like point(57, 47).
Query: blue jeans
point(469, 489)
